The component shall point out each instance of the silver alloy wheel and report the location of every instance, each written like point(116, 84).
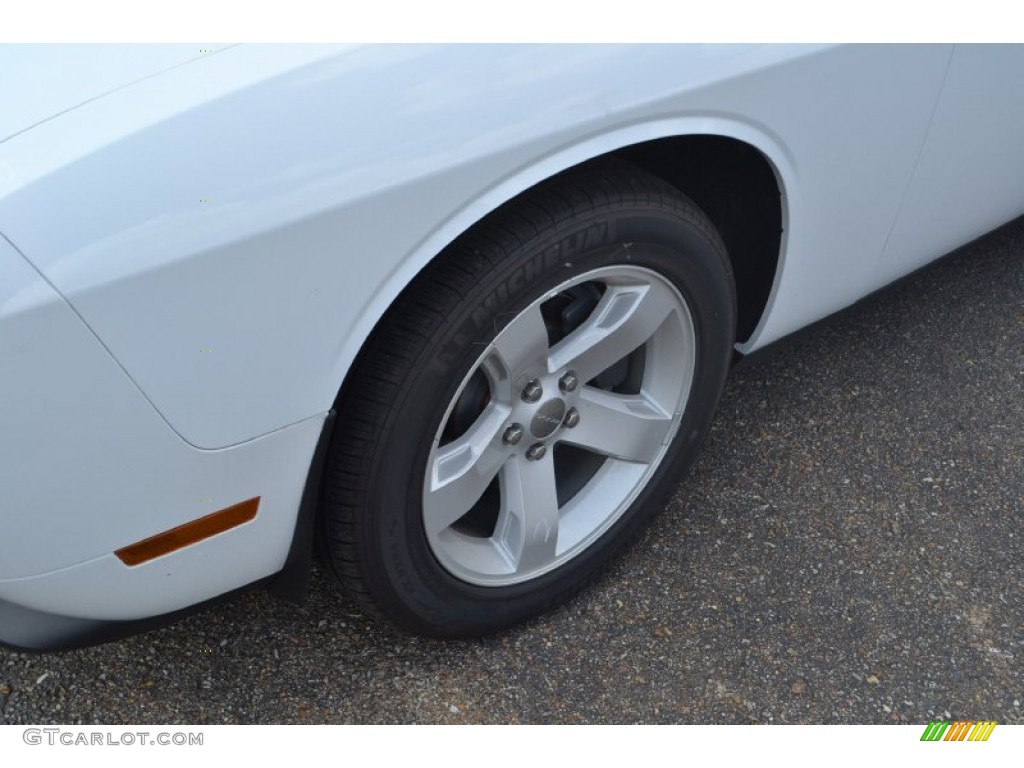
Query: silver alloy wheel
point(510, 450)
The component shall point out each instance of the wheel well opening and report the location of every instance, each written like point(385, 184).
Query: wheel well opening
point(735, 185)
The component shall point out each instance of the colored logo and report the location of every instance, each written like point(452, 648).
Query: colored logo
point(958, 730)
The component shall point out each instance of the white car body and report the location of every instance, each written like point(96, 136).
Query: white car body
point(196, 246)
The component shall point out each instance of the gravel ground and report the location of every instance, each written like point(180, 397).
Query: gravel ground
point(848, 549)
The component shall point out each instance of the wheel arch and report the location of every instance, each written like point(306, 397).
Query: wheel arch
point(680, 151)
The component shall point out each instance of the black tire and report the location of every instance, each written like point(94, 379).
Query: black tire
point(411, 369)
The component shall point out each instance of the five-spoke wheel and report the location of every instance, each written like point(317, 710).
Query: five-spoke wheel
point(571, 423)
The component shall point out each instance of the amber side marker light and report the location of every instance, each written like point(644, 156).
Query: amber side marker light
point(189, 533)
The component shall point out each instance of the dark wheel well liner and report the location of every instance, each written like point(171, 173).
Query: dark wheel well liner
point(736, 186)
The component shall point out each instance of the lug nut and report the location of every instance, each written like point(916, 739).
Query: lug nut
point(513, 434)
point(572, 418)
point(569, 381)
point(536, 451)
point(532, 391)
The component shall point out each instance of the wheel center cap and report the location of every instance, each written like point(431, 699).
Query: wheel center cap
point(547, 418)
